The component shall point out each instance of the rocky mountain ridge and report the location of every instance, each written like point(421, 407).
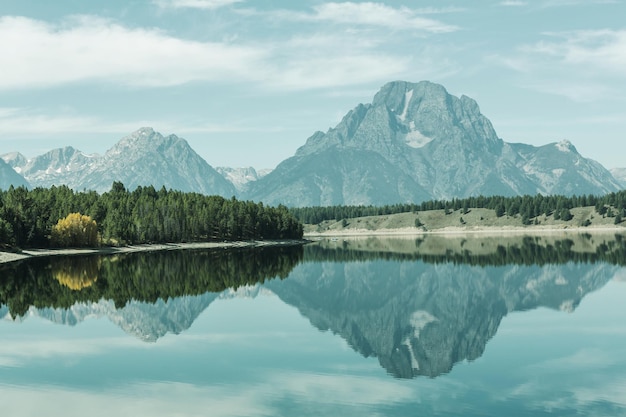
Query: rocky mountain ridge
point(414, 142)
point(241, 177)
point(143, 158)
point(417, 142)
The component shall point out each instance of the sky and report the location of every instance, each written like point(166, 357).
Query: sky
point(246, 82)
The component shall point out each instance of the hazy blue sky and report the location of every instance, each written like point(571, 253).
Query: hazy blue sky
point(247, 82)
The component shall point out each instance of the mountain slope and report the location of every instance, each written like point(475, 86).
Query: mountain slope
point(559, 169)
point(9, 177)
point(240, 177)
point(56, 167)
point(416, 142)
point(148, 158)
point(620, 175)
point(143, 158)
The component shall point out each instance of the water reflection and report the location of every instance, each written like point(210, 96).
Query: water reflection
point(147, 277)
point(418, 306)
point(76, 273)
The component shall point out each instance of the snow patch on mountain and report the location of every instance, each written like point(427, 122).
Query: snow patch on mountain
point(564, 146)
point(240, 177)
point(407, 101)
point(415, 138)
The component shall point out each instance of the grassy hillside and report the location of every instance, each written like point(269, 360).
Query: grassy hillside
point(473, 220)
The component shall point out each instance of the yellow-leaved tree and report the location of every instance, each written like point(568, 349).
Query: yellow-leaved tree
point(76, 230)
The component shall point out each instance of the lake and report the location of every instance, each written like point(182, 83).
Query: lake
point(432, 326)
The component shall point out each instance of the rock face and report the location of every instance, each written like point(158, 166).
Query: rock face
point(143, 158)
point(620, 175)
point(59, 166)
point(148, 158)
point(9, 177)
point(241, 177)
point(416, 142)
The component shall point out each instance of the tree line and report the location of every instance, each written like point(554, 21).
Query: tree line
point(528, 207)
point(145, 215)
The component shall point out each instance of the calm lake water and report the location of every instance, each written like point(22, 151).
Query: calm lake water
point(364, 327)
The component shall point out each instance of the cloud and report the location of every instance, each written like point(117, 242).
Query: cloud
point(86, 48)
point(513, 3)
point(154, 399)
point(601, 50)
point(195, 4)
point(583, 66)
point(20, 353)
point(368, 14)
point(566, 3)
point(15, 122)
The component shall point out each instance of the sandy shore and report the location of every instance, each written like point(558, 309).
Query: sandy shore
point(30, 253)
point(453, 231)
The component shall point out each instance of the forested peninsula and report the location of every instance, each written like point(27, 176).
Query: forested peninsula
point(60, 217)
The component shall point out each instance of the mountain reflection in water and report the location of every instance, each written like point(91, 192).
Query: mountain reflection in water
point(418, 306)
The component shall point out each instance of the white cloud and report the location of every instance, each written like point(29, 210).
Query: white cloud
point(195, 4)
point(19, 353)
point(583, 66)
point(602, 50)
point(566, 3)
point(378, 14)
point(16, 122)
point(513, 3)
point(88, 49)
point(141, 399)
point(367, 14)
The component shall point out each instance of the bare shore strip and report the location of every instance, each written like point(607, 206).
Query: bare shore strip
point(6, 257)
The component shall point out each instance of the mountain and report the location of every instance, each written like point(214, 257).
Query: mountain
point(416, 142)
point(59, 166)
point(240, 177)
point(148, 158)
point(8, 177)
point(143, 158)
point(559, 169)
point(620, 175)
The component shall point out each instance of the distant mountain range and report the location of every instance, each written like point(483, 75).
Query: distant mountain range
point(414, 142)
point(143, 158)
point(620, 175)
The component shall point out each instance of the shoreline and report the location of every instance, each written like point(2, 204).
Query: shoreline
point(456, 231)
point(7, 257)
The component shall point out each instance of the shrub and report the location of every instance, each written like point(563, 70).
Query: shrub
point(76, 230)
